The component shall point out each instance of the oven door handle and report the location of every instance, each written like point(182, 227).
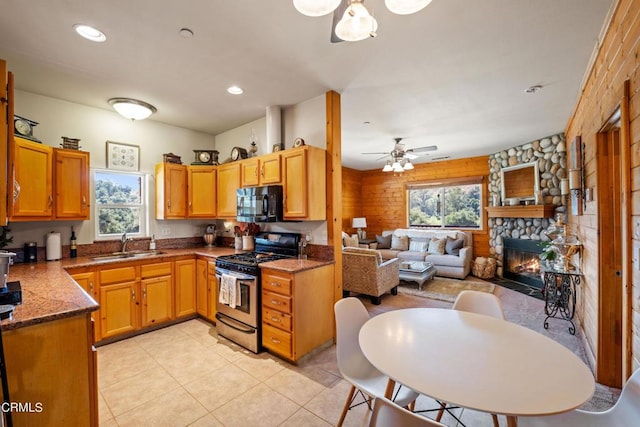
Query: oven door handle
point(234, 325)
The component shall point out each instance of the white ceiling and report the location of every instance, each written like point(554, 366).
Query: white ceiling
point(452, 75)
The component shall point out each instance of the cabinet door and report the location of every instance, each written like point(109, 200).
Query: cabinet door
point(270, 169)
point(31, 195)
point(118, 308)
point(228, 184)
point(212, 289)
point(185, 284)
point(157, 300)
point(249, 171)
point(71, 178)
point(202, 283)
point(87, 281)
point(202, 190)
point(295, 183)
point(171, 191)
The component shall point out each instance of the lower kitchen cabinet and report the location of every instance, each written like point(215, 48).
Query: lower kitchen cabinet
point(118, 308)
point(206, 288)
point(156, 285)
point(86, 278)
point(185, 287)
point(297, 310)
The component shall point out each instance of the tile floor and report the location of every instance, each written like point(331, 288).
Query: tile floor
point(184, 375)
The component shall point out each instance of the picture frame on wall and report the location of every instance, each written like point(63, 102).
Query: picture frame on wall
point(123, 156)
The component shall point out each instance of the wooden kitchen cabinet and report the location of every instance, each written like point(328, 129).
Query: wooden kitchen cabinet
point(31, 175)
point(206, 288)
point(304, 183)
point(157, 293)
point(297, 310)
point(263, 170)
point(119, 308)
point(171, 191)
point(86, 278)
point(202, 191)
point(71, 179)
point(228, 183)
point(185, 287)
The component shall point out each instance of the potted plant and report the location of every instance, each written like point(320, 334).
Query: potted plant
point(549, 253)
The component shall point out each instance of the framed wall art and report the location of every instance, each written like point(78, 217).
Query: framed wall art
point(123, 156)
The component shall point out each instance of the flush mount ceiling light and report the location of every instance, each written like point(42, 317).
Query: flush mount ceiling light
point(90, 33)
point(132, 108)
point(235, 90)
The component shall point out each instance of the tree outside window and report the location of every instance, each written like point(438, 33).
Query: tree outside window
point(119, 203)
point(453, 206)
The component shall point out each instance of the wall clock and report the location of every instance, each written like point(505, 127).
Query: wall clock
point(206, 157)
point(238, 153)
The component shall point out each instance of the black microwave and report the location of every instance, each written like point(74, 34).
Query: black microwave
point(260, 204)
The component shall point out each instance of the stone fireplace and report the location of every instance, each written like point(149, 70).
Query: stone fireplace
point(521, 262)
point(551, 157)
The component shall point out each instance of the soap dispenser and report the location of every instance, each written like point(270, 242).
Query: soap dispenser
point(152, 243)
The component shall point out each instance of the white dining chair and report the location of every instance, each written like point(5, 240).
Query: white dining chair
point(387, 414)
point(351, 314)
point(480, 303)
point(625, 412)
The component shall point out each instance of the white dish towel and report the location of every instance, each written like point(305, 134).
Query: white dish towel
point(229, 291)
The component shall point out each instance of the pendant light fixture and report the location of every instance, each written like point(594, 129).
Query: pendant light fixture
point(356, 23)
point(132, 108)
point(406, 7)
point(315, 7)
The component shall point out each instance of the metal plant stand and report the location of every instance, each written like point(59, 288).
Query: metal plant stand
point(560, 296)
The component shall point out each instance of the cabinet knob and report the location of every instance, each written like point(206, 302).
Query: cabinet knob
point(275, 319)
point(91, 285)
point(275, 284)
point(133, 294)
point(274, 302)
point(16, 190)
point(275, 340)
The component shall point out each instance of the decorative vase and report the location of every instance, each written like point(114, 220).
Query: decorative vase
point(248, 243)
point(238, 245)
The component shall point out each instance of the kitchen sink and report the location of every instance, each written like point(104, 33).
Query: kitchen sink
point(130, 254)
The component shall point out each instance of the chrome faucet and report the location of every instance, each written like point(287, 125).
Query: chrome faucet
point(124, 239)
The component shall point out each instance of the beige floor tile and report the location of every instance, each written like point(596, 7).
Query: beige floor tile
point(260, 406)
point(188, 363)
point(304, 418)
point(295, 386)
point(175, 408)
point(109, 423)
point(207, 421)
point(136, 390)
point(229, 350)
point(261, 366)
point(158, 337)
point(104, 413)
point(328, 406)
point(204, 332)
point(220, 386)
point(121, 362)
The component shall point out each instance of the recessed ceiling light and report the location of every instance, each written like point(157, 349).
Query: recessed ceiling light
point(235, 90)
point(90, 33)
point(186, 33)
point(533, 89)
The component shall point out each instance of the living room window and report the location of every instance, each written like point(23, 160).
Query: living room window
point(446, 204)
point(119, 203)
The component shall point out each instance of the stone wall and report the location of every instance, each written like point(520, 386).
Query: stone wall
point(551, 155)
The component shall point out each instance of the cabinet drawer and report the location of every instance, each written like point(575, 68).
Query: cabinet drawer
point(116, 275)
point(279, 284)
point(155, 270)
point(277, 302)
point(277, 319)
point(276, 340)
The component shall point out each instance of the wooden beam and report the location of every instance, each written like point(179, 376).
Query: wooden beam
point(334, 186)
point(6, 123)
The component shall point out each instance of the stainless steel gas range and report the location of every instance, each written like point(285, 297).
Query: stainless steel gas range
point(238, 316)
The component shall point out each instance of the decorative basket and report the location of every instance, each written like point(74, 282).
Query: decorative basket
point(484, 268)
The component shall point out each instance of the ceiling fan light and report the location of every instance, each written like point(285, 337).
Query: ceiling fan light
point(356, 23)
point(387, 167)
point(408, 165)
point(315, 7)
point(397, 167)
point(406, 7)
point(132, 108)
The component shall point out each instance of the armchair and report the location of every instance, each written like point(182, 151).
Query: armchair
point(364, 272)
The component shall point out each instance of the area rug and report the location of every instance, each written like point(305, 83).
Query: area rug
point(444, 289)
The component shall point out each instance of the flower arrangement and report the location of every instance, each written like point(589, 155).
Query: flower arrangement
point(246, 229)
point(549, 251)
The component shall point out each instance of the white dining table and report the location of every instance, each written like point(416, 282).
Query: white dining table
point(476, 362)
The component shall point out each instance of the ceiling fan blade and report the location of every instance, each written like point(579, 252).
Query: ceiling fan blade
point(410, 156)
point(377, 153)
point(422, 149)
point(337, 16)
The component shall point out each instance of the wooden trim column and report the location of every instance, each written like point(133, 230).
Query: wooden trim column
point(6, 124)
point(334, 186)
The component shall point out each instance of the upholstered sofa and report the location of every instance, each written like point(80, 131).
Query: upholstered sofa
point(450, 251)
point(364, 272)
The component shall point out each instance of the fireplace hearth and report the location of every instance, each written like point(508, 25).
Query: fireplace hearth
point(521, 263)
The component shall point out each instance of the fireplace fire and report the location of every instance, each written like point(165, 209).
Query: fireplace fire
point(521, 262)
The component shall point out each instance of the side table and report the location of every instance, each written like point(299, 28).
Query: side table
point(559, 291)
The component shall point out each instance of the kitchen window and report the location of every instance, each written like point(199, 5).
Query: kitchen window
point(449, 204)
point(120, 203)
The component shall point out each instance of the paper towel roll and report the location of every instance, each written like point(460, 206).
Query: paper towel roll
point(54, 249)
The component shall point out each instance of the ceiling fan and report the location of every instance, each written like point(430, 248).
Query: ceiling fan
point(401, 157)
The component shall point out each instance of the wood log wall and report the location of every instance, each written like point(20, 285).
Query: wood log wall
point(380, 197)
point(616, 62)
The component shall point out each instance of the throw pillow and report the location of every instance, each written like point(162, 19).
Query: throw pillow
point(452, 247)
point(383, 242)
point(400, 243)
point(351, 242)
point(436, 246)
point(418, 246)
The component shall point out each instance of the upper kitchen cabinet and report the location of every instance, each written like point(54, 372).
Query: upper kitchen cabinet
point(202, 189)
point(171, 191)
point(31, 179)
point(228, 183)
point(261, 170)
point(304, 183)
point(71, 176)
